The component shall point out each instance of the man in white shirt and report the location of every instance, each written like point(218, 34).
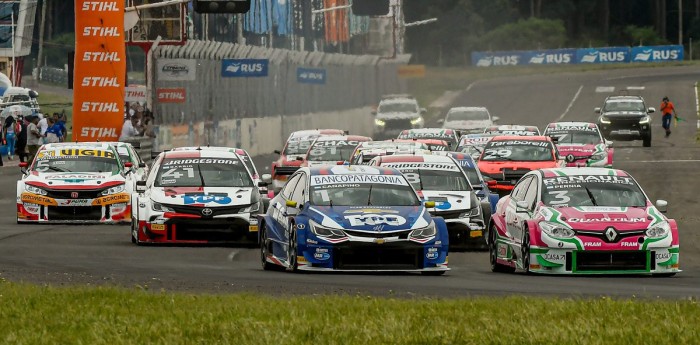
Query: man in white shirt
point(129, 129)
point(43, 127)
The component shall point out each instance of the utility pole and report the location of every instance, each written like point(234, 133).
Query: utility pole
point(239, 29)
point(42, 25)
point(680, 22)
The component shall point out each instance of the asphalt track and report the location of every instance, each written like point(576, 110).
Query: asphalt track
point(99, 255)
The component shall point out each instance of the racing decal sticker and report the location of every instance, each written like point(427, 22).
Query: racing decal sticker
point(319, 180)
point(200, 161)
point(75, 153)
point(427, 166)
point(38, 199)
point(378, 209)
point(219, 198)
point(376, 219)
point(573, 181)
point(111, 199)
point(322, 254)
point(501, 143)
point(79, 177)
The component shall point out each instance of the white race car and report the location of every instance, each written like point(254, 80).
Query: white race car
point(128, 154)
point(74, 183)
point(196, 196)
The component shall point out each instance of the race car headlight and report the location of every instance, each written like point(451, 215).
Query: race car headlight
point(659, 230)
point(321, 231)
point(379, 122)
point(599, 156)
point(473, 212)
point(35, 190)
point(252, 208)
point(424, 233)
point(417, 121)
point(645, 120)
point(161, 208)
point(557, 230)
point(113, 190)
point(604, 120)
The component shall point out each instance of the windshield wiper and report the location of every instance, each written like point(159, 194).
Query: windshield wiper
point(590, 195)
point(201, 177)
point(369, 196)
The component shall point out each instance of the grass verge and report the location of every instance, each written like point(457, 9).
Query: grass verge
point(82, 315)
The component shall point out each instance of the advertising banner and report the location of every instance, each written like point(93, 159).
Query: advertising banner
point(176, 69)
point(311, 76)
point(551, 57)
point(232, 68)
point(657, 53)
point(100, 70)
point(488, 59)
point(603, 55)
point(135, 94)
point(171, 95)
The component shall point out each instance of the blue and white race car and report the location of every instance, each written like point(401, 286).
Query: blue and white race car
point(480, 185)
point(352, 218)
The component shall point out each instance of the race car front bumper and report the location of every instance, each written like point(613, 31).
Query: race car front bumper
point(35, 208)
point(196, 229)
point(561, 261)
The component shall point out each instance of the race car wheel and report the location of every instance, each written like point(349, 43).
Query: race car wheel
point(493, 254)
point(292, 250)
point(264, 249)
point(525, 249)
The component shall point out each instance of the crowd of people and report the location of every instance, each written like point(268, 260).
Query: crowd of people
point(23, 135)
point(138, 122)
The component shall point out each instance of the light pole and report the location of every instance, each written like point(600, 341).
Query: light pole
point(680, 22)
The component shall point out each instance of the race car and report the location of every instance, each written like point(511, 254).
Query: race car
point(332, 150)
point(480, 185)
point(473, 144)
point(448, 135)
point(582, 221)
point(138, 169)
point(507, 158)
point(581, 144)
point(293, 153)
point(468, 119)
point(352, 218)
point(513, 130)
point(196, 196)
point(74, 183)
point(370, 149)
point(440, 179)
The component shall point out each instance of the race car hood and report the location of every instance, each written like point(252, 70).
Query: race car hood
point(494, 168)
point(73, 181)
point(448, 200)
point(396, 116)
point(370, 218)
point(198, 196)
point(599, 218)
point(471, 124)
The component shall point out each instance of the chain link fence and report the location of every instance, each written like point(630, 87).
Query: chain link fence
point(351, 82)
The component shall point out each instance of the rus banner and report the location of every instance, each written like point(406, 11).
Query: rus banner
point(100, 69)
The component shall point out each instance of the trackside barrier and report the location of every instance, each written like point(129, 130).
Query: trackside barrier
point(143, 145)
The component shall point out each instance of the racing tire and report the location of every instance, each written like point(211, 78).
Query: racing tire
point(134, 234)
point(292, 250)
point(264, 248)
point(525, 252)
point(664, 275)
point(493, 254)
point(646, 141)
point(433, 273)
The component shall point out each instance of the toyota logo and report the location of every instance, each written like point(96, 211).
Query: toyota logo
point(570, 158)
point(207, 212)
point(74, 195)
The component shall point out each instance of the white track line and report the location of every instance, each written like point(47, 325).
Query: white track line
point(571, 104)
point(636, 87)
point(697, 104)
point(666, 161)
point(604, 89)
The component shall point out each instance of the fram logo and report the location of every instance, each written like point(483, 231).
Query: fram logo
point(244, 68)
point(173, 95)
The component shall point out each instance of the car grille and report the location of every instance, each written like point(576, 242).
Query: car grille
point(82, 194)
point(77, 213)
point(375, 256)
point(285, 170)
point(230, 230)
point(398, 124)
point(618, 237)
point(197, 210)
point(449, 214)
point(587, 261)
point(401, 234)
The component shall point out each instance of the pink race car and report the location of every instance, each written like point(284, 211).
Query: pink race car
point(580, 144)
point(582, 221)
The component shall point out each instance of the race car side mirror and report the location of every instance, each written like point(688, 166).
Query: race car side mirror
point(262, 184)
point(608, 143)
point(142, 165)
point(140, 186)
point(128, 165)
point(23, 167)
point(662, 206)
point(267, 178)
point(491, 183)
point(651, 110)
point(521, 206)
point(477, 187)
point(597, 110)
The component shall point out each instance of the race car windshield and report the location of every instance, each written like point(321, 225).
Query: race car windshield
point(468, 115)
point(397, 108)
point(123, 154)
point(577, 137)
point(364, 194)
point(472, 150)
point(521, 151)
point(439, 180)
point(624, 106)
point(202, 172)
point(247, 162)
point(297, 147)
point(323, 152)
point(59, 162)
point(618, 191)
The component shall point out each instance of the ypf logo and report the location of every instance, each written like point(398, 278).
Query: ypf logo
point(375, 219)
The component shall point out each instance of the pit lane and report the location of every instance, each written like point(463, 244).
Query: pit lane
point(98, 255)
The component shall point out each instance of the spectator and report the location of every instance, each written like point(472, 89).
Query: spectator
point(34, 137)
point(129, 129)
point(59, 120)
point(54, 133)
point(9, 134)
point(43, 125)
point(21, 132)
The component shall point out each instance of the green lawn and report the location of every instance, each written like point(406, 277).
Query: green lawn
point(51, 102)
point(83, 315)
